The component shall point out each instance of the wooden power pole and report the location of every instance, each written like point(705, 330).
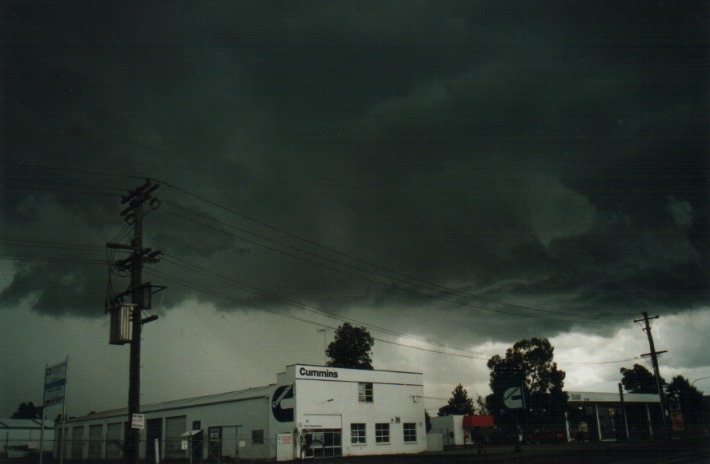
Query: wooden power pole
point(654, 361)
point(139, 291)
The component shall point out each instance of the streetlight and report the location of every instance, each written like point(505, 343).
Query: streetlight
point(701, 378)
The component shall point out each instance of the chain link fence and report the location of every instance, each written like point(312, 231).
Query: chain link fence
point(194, 450)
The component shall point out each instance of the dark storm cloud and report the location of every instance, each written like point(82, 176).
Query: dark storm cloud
point(553, 156)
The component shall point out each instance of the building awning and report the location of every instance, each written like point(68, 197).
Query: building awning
point(191, 433)
point(478, 421)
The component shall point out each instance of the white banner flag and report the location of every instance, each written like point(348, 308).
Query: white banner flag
point(55, 380)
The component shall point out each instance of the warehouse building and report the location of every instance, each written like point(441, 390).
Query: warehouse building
point(311, 411)
point(602, 416)
point(590, 416)
point(22, 438)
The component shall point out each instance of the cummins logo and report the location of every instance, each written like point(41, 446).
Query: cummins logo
point(318, 373)
point(282, 414)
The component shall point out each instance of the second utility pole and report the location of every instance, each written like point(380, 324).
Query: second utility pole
point(654, 362)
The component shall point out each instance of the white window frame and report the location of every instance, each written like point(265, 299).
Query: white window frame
point(407, 429)
point(365, 392)
point(382, 433)
point(358, 434)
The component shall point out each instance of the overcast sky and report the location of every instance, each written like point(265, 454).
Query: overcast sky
point(455, 176)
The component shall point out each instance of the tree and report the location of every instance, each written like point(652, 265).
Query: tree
point(351, 348)
point(681, 392)
point(481, 408)
point(459, 403)
point(528, 364)
point(28, 411)
point(638, 379)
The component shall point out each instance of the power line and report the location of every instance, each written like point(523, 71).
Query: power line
point(51, 259)
point(427, 285)
point(597, 363)
point(34, 184)
point(329, 249)
point(43, 244)
point(81, 171)
point(401, 289)
point(471, 355)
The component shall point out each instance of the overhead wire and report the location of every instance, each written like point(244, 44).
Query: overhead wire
point(244, 303)
point(200, 270)
point(368, 279)
point(435, 287)
point(230, 280)
point(431, 286)
point(348, 256)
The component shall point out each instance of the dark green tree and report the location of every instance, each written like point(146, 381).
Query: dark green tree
point(680, 392)
point(351, 348)
point(459, 403)
point(28, 411)
point(528, 364)
point(481, 408)
point(638, 379)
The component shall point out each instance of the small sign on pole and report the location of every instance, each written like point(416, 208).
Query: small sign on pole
point(677, 421)
point(138, 421)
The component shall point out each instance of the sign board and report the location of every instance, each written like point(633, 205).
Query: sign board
point(677, 421)
point(138, 421)
point(513, 398)
point(55, 380)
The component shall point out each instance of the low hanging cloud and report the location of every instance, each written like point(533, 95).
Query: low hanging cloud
point(510, 161)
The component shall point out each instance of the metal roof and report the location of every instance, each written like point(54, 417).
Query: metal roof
point(227, 397)
point(576, 397)
point(25, 424)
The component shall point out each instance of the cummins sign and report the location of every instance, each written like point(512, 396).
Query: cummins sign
point(318, 373)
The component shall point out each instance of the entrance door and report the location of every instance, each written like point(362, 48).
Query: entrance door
point(196, 445)
point(214, 447)
point(323, 443)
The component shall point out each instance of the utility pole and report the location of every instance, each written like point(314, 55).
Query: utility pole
point(654, 361)
point(139, 291)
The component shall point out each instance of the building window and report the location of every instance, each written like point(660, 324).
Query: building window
point(357, 434)
point(323, 443)
point(364, 392)
point(410, 432)
point(257, 437)
point(382, 433)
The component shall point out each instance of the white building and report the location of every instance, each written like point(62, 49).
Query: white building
point(20, 438)
point(461, 430)
point(311, 411)
point(450, 428)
